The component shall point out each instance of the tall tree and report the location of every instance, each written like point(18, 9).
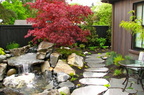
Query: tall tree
point(23, 1)
point(56, 21)
point(6, 15)
point(102, 14)
point(21, 12)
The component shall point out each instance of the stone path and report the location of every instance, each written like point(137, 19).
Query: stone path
point(95, 83)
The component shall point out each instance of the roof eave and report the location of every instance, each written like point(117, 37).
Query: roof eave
point(110, 1)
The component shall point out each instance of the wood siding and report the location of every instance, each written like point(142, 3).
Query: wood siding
point(121, 39)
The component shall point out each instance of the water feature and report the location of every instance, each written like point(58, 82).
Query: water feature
point(26, 68)
point(26, 82)
point(29, 58)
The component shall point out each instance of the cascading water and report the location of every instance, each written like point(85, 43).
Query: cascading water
point(26, 68)
point(26, 82)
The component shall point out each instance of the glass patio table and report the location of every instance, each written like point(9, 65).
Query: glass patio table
point(137, 65)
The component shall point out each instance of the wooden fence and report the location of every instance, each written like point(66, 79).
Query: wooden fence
point(16, 33)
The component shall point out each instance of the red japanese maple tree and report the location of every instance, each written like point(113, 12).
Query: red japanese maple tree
point(57, 22)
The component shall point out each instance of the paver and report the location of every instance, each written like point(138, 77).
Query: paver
point(95, 65)
point(89, 90)
point(91, 77)
point(93, 74)
point(94, 81)
point(102, 69)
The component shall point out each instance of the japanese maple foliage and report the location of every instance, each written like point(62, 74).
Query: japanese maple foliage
point(57, 22)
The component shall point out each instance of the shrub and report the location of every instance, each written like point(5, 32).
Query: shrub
point(66, 52)
point(111, 56)
point(117, 59)
point(117, 72)
point(12, 45)
point(101, 42)
point(2, 51)
point(82, 46)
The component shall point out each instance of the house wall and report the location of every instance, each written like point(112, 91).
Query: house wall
point(122, 39)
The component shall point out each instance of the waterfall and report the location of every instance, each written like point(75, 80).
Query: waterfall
point(25, 68)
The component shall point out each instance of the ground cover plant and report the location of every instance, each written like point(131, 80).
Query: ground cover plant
point(57, 22)
point(115, 70)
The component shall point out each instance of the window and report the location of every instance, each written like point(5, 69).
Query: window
point(139, 8)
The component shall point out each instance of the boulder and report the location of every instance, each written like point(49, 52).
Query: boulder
point(19, 81)
point(54, 59)
point(11, 72)
point(45, 66)
point(9, 91)
point(67, 84)
point(29, 58)
point(8, 55)
point(41, 55)
point(53, 92)
point(63, 67)
point(20, 51)
point(75, 60)
point(61, 77)
point(2, 57)
point(44, 46)
point(64, 90)
point(2, 70)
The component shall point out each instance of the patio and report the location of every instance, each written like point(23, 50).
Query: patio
point(115, 84)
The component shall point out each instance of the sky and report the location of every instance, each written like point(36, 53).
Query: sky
point(84, 2)
point(81, 2)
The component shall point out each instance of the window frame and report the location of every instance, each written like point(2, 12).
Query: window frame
point(134, 37)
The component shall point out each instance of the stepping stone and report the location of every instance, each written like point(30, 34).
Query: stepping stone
point(97, 55)
point(140, 93)
point(93, 59)
point(95, 65)
point(93, 74)
point(93, 81)
point(103, 69)
point(96, 61)
point(117, 83)
point(89, 90)
point(115, 91)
